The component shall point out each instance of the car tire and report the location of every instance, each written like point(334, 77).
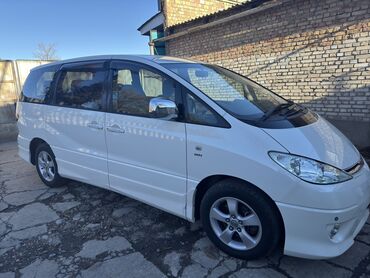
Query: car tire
point(248, 230)
point(47, 167)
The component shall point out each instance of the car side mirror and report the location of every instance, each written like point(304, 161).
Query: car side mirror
point(163, 108)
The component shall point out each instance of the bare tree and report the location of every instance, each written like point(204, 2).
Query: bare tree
point(46, 52)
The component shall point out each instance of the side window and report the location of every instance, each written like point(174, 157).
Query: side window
point(37, 87)
point(153, 83)
point(134, 86)
point(81, 88)
point(199, 113)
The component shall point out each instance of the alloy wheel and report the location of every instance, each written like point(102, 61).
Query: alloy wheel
point(235, 223)
point(46, 166)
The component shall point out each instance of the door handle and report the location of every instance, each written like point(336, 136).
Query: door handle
point(95, 125)
point(115, 128)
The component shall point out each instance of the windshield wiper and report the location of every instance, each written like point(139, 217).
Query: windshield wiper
point(277, 108)
point(298, 109)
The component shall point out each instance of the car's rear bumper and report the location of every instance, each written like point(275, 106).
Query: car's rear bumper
point(24, 148)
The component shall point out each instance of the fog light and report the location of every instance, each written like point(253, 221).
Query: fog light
point(334, 230)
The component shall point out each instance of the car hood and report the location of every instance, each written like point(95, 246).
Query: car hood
point(321, 141)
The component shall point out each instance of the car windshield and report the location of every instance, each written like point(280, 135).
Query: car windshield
point(238, 95)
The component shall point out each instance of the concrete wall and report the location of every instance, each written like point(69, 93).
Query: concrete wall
point(12, 77)
point(314, 52)
point(8, 97)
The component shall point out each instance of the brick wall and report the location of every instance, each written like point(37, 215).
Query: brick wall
point(313, 52)
point(178, 11)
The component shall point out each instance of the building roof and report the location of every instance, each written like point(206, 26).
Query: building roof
point(235, 13)
point(152, 23)
point(250, 4)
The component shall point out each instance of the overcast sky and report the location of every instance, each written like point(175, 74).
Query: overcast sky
point(77, 27)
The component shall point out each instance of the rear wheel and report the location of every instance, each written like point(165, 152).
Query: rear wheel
point(47, 167)
point(240, 219)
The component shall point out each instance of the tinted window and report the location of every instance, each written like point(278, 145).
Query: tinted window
point(134, 86)
point(37, 87)
point(81, 88)
point(198, 112)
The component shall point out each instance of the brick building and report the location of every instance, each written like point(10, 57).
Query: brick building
point(315, 52)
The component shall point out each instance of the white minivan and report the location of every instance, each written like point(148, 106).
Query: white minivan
point(201, 142)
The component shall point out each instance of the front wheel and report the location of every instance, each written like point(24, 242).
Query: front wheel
point(47, 167)
point(240, 219)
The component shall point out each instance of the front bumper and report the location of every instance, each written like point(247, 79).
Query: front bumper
point(323, 233)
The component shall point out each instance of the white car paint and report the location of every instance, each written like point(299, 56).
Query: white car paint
point(147, 160)
point(161, 163)
point(77, 139)
point(321, 141)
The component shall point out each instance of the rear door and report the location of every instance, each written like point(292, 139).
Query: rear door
point(75, 122)
point(146, 155)
point(34, 101)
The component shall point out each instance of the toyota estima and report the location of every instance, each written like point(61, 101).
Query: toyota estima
point(201, 142)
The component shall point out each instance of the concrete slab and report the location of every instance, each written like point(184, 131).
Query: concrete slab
point(129, 266)
point(80, 230)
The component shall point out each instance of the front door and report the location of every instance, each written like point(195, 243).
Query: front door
point(146, 155)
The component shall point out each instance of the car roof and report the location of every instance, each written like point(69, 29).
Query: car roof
point(135, 58)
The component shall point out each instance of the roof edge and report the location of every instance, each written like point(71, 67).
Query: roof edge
point(267, 4)
point(214, 13)
point(150, 19)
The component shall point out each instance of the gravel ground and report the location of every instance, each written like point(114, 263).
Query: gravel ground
point(80, 230)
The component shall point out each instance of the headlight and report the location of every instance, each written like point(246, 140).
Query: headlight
point(308, 169)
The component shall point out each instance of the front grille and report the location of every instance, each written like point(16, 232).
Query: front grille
point(355, 168)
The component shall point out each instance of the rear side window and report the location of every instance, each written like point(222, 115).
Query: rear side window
point(37, 88)
point(81, 88)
